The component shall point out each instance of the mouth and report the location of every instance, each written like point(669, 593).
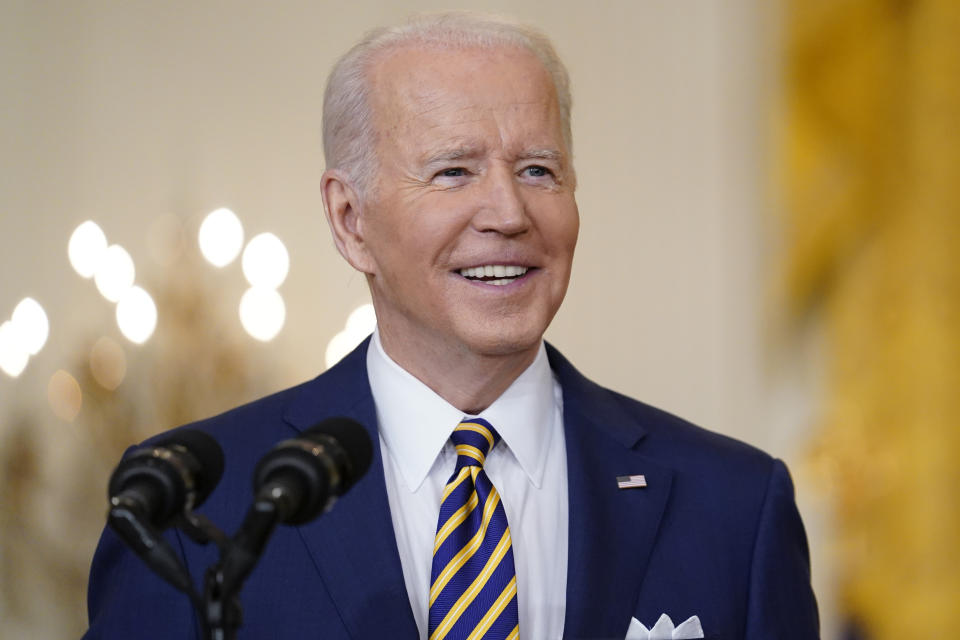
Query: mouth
point(495, 274)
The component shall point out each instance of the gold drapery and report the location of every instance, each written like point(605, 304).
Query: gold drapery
point(872, 183)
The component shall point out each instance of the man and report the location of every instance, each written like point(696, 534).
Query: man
point(571, 511)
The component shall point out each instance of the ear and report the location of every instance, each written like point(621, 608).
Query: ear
point(342, 205)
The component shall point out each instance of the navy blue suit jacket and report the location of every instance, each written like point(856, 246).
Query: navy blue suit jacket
point(715, 533)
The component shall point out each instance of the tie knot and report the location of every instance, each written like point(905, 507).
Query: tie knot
point(473, 439)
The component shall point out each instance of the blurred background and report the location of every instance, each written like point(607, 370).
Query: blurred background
point(770, 201)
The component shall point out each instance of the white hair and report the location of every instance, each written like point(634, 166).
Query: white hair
point(349, 134)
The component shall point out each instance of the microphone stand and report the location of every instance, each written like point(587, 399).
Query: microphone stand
point(238, 557)
point(218, 608)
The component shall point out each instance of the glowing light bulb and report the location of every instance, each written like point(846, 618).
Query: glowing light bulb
point(108, 364)
point(115, 273)
point(360, 323)
point(266, 261)
point(362, 320)
point(262, 313)
point(13, 355)
point(220, 237)
point(136, 315)
point(86, 247)
point(31, 325)
point(64, 395)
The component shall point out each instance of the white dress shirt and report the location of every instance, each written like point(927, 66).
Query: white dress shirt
point(530, 473)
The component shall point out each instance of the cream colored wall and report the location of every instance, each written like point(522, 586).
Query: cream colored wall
point(126, 111)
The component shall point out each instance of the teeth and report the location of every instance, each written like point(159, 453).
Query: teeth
point(499, 271)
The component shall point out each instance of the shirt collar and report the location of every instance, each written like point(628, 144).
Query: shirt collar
point(415, 422)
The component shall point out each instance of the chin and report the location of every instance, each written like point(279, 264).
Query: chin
point(505, 341)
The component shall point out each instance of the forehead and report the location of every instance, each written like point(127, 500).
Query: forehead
point(436, 92)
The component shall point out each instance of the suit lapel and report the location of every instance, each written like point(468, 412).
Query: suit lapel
point(611, 531)
point(353, 546)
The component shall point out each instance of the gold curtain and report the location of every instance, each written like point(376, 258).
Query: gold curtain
point(871, 152)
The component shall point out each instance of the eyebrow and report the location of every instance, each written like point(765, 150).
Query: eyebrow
point(542, 154)
point(467, 151)
point(450, 155)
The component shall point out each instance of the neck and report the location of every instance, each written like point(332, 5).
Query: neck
point(469, 381)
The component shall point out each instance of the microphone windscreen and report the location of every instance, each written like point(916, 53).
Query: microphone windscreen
point(352, 438)
point(208, 454)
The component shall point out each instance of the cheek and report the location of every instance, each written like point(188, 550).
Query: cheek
point(563, 229)
point(574, 230)
point(431, 236)
point(389, 234)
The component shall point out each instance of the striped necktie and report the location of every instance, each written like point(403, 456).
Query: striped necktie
point(473, 584)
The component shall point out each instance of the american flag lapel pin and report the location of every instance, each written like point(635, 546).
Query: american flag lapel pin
point(631, 482)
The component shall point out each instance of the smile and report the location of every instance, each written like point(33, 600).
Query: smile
point(495, 274)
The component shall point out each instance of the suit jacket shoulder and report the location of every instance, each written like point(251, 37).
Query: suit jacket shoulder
point(715, 533)
point(340, 574)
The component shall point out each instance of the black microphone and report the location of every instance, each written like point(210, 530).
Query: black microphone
point(304, 475)
point(175, 474)
point(292, 484)
point(152, 486)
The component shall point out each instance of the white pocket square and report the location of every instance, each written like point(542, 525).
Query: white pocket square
point(664, 629)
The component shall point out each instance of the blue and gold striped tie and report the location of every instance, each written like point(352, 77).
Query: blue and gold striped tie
point(473, 584)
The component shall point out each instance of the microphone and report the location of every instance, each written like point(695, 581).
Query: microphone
point(175, 474)
point(303, 476)
point(292, 484)
point(152, 486)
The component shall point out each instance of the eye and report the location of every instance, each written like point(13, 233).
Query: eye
point(537, 171)
point(451, 177)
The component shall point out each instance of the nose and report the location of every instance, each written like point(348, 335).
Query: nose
point(502, 209)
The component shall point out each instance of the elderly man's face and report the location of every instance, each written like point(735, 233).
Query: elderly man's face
point(472, 223)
